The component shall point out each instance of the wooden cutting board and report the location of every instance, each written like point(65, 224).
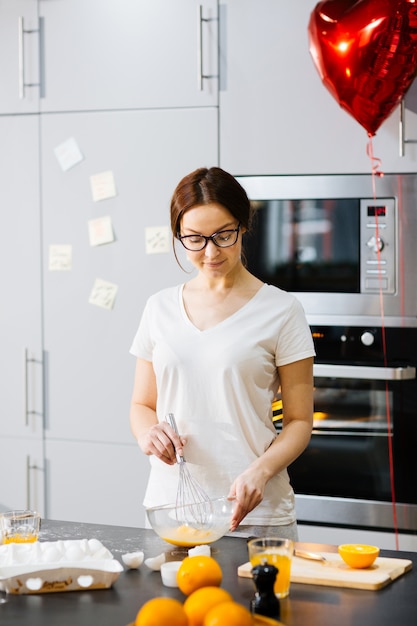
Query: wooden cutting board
point(335, 573)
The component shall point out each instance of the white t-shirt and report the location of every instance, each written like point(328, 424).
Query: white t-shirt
point(220, 383)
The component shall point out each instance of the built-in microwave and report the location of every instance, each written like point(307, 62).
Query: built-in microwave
point(344, 244)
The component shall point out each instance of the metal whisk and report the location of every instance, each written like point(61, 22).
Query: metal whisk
point(193, 505)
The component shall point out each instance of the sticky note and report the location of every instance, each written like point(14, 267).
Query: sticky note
point(68, 154)
point(156, 239)
point(103, 294)
point(100, 231)
point(103, 186)
point(60, 258)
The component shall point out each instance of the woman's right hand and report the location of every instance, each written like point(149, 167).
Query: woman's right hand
point(153, 437)
point(163, 442)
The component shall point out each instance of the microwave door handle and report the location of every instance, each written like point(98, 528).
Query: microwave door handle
point(328, 370)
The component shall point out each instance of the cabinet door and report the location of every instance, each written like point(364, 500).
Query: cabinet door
point(276, 116)
point(21, 474)
point(122, 54)
point(19, 56)
point(89, 369)
point(96, 483)
point(21, 402)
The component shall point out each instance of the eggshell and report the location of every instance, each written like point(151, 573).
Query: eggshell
point(200, 550)
point(155, 562)
point(133, 560)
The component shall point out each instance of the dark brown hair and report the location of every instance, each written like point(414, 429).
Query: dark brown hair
point(208, 186)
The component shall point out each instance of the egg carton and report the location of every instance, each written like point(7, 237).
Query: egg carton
point(45, 567)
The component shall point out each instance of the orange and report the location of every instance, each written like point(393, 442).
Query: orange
point(198, 571)
point(358, 555)
point(201, 601)
point(162, 611)
point(228, 614)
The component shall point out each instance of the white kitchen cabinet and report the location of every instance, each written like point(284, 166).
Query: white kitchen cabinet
point(96, 483)
point(276, 116)
point(19, 56)
point(21, 474)
point(124, 54)
point(65, 362)
point(21, 361)
point(21, 397)
point(89, 371)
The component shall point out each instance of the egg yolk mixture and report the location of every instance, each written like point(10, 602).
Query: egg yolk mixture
point(186, 536)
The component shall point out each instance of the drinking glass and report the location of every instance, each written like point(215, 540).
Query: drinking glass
point(20, 526)
point(274, 551)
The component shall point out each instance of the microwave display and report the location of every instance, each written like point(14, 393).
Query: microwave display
point(377, 211)
point(306, 245)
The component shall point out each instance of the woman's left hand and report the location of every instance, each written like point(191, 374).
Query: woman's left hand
point(248, 491)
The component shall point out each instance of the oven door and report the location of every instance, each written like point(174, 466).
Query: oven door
point(364, 442)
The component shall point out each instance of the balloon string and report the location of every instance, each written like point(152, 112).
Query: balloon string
point(375, 162)
point(377, 172)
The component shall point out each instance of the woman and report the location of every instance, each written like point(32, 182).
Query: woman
point(214, 352)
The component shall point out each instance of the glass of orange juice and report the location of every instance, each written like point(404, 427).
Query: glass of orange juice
point(274, 551)
point(20, 526)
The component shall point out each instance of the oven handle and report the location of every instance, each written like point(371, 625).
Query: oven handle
point(328, 370)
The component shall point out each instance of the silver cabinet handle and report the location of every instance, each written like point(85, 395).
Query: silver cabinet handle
point(27, 411)
point(401, 133)
point(21, 59)
point(29, 468)
point(327, 370)
point(21, 36)
point(201, 76)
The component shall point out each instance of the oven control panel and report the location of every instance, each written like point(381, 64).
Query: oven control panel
point(361, 345)
point(377, 245)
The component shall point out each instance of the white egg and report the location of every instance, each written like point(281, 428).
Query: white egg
point(60, 545)
point(22, 554)
point(200, 550)
point(102, 554)
point(85, 545)
point(155, 562)
point(133, 559)
point(51, 554)
point(94, 545)
point(74, 553)
point(36, 555)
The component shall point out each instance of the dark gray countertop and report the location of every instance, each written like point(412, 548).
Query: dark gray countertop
point(307, 605)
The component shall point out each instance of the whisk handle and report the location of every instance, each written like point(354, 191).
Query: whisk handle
point(171, 421)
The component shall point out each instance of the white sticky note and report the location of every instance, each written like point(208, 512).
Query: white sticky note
point(60, 258)
point(100, 231)
point(102, 186)
point(68, 154)
point(103, 294)
point(157, 239)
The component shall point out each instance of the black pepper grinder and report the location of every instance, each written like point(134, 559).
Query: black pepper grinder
point(265, 601)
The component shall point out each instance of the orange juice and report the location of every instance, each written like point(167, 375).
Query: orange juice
point(283, 564)
point(19, 538)
point(20, 526)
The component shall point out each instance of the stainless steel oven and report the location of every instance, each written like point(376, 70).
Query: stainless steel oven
point(349, 255)
point(363, 451)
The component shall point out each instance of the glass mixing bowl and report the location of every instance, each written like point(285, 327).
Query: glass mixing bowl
point(192, 525)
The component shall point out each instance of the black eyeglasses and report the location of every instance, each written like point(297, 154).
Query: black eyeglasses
point(222, 239)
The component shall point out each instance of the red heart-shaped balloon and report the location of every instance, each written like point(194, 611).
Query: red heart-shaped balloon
point(366, 54)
